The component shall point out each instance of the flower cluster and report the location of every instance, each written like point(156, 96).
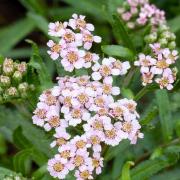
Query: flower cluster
point(157, 66)
point(138, 13)
point(74, 43)
point(12, 80)
point(99, 119)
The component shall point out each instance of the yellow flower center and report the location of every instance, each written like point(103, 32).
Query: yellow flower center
point(127, 127)
point(56, 48)
point(58, 167)
point(84, 174)
point(78, 160)
point(72, 57)
point(162, 64)
point(60, 141)
point(54, 121)
point(80, 144)
point(111, 134)
point(69, 37)
point(41, 113)
point(65, 154)
point(105, 70)
point(81, 23)
point(76, 113)
point(88, 57)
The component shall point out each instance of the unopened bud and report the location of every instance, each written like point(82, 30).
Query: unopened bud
point(163, 42)
point(163, 28)
point(166, 35)
point(12, 91)
point(17, 76)
point(130, 25)
point(22, 67)
point(23, 87)
point(8, 66)
point(151, 38)
point(172, 45)
point(5, 81)
point(32, 87)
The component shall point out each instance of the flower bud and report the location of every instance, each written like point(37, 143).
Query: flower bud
point(163, 28)
point(5, 81)
point(8, 66)
point(22, 67)
point(23, 87)
point(17, 76)
point(173, 37)
point(172, 45)
point(32, 87)
point(12, 91)
point(163, 42)
point(166, 35)
point(151, 38)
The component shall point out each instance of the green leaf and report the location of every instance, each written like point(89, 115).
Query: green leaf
point(150, 167)
point(125, 171)
point(38, 6)
point(13, 34)
point(11, 119)
point(38, 174)
point(164, 114)
point(174, 24)
point(171, 174)
point(119, 51)
point(149, 116)
point(121, 33)
point(37, 63)
point(20, 140)
point(21, 161)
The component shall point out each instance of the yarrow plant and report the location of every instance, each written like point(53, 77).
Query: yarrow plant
point(160, 42)
point(84, 105)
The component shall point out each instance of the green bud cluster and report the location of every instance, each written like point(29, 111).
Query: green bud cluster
point(13, 80)
point(163, 36)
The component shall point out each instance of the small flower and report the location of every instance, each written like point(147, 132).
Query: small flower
point(78, 22)
point(57, 168)
point(72, 58)
point(55, 49)
point(97, 162)
point(88, 39)
point(57, 29)
point(167, 80)
point(83, 173)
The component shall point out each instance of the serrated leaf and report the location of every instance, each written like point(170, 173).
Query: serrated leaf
point(12, 119)
point(150, 167)
point(13, 34)
point(125, 171)
point(121, 33)
point(164, 114)
point(149, 116)
point(21, 161)
point(20, 140)
point(118, 51)
point(37, 63)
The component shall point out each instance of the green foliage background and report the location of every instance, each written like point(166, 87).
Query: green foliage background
point(25, 149)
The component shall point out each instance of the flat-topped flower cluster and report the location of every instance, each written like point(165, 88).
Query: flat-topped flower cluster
point(75, 39)
point(157, 66)
point(89, 108)
point(82, 111)
point(138, 13)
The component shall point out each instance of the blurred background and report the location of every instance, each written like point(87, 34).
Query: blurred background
point(28, 19)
